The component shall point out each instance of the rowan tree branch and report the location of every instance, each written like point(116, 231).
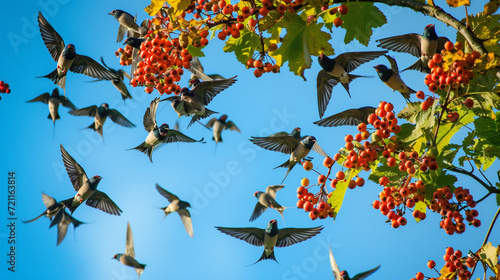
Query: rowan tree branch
point(437, 13)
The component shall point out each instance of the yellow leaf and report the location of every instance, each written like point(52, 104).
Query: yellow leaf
point(430, 2)
point(178, 7)
point(420, 206)
point(487, 61)
point(154, 7)
point(458, 3)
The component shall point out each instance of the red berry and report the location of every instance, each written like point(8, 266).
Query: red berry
point(343, 9)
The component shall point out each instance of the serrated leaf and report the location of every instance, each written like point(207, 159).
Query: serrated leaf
point(395, 175)
point(434, 179)
point(244, 47)
point(266, 22)
point(487, 29)
point(410, 112)
point(194, 51)
point(487, 128)
point(300, 42)
point(488, 254)
point(337, 196)
point(178, 7)
point(420, 206)
point(468, 140)
point(449, 152)
point(457, 3)
point(154, 7)
point(358, 13)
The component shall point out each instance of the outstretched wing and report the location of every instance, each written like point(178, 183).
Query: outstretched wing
point(87, 66)
point(75, 171)
point(254, 236)
point(347, 117)
point(149, 119)
point(271, 190)
point(290, 236)
point(129, 246)
point(168, 195)
point(206, 91)
point(90, 111)
point(325, 83)
point(53, 41)
point(118, 118)
point(44, 97)
point(102, 202)
point(176, 136)
point(283, 144)
point(352, 60)
point(408, 43)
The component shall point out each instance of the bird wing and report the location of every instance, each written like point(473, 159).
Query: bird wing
point(48, 201)
point(211, 122)
point(394, 65)
point(198, 72)
point(168, 195)
point(176, 136)
point(171, 98)
point(231, 126)
point(279, 134)
point(102, 202)
point(66, 103)
point(121, 32)
point(197, 64)
point(122, 73)
point(186, 221)
point(206, 91)
point(335, 267)
point(44, 97)
point(317, 148)
point(347, 117)
point(352, 60)
point(90, 111)
point(254, 236)
point(75, 171)
point(271, 190)
point(324, 84)
point(87, 66)
point(149, 119)
point(408, 43)
point(118, 118)
point(365, 274)
point(257, 211)
point(283, 144)
point(53, 41)
point(129, 245)
point(290, 236)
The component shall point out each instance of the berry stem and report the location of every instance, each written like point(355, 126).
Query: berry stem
point(486, 240)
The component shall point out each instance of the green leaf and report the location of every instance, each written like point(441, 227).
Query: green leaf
point(396, 176)
point(434, 179)
point(337, 196)
point(244, 47)
point(447, 130)
point(271, 19)
point(488, 254)
point(194, 51)
point(300, 42)
point(420, 206)
point(487, 29)
point(360, 21)
point(498, 199)
point(154, 7)
point(411, 136)
point(449, 152)
point(410, 112)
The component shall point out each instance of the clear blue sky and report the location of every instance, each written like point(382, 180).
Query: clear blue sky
point(219, 184)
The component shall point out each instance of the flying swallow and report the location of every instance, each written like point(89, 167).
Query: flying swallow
point(62, 220)
point(86, 188)
point(100, 115)
point(128, 258)
point(265, 200)
point(271, 237)
point(422, 46)
point(158, 135)
point(179, 206)
point(391, 78)
point(337, 70)
point(219, 125)
point(343, 275)
point(67, 58)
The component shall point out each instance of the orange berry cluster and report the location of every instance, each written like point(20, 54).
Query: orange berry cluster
point(458, 73)
point(315, 204)
point(161, 66)
point(263, 64)
point(452, 220)
point(125, 55)
point(455, 262)
point(4, 88)
point(394, 201)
